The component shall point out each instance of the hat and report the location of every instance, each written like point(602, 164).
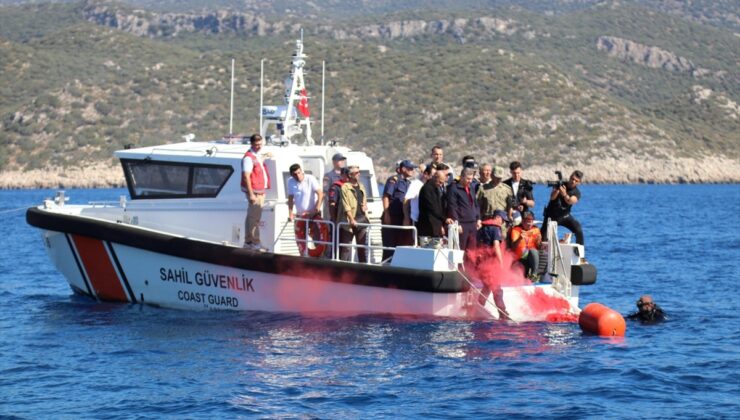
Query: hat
point(502, 214)
point(407, 164)
point(338, 156)
point(498, 172)
point(470, 164)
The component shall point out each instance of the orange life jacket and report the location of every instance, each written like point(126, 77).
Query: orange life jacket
point(531, 240)
point(258, 175)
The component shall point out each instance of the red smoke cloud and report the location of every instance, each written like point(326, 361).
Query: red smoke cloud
point(542, 306)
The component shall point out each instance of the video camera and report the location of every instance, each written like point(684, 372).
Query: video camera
point(558, 183)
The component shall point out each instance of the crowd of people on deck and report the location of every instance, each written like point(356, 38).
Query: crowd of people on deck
point(489, 211)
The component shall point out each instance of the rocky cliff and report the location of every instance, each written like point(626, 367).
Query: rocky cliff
point(646, 55)
point(150, 24)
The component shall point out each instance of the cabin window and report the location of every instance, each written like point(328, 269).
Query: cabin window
point(156, 179)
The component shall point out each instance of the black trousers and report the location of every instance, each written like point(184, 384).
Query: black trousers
point(567, 221)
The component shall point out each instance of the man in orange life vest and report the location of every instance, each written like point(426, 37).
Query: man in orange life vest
point(526, 240)
point(255, 180)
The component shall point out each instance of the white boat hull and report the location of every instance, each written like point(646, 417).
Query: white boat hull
point(109, 271)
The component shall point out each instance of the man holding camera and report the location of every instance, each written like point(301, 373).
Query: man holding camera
point(563, 196)
point(522, 188)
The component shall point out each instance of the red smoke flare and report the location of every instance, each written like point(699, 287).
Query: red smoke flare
point(485, 267)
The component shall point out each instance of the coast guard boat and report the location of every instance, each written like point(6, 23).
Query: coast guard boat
point(176, 240)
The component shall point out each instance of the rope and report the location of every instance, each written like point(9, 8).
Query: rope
point(14, 210)
point(454, 243)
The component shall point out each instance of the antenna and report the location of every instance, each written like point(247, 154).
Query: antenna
point(231, 113)
point(262, 88)
point(323, 88)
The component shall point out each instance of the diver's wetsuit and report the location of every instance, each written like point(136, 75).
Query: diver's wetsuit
point(652, 316)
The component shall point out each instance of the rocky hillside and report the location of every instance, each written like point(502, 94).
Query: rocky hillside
point(628, 92)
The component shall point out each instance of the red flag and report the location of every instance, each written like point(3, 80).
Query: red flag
point(303, 104)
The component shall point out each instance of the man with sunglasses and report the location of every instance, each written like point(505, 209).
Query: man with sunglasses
point(648, 312)
point(562, 198)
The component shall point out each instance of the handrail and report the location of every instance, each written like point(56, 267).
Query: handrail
point(367, 244)
point(305, 240)
point(562, 285)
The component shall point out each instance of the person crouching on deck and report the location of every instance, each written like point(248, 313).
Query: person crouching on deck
point(525, 241)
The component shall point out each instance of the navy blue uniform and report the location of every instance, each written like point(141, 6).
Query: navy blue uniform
point(395, 190)
point(462, 207)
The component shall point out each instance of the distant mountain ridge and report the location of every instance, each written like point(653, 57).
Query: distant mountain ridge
point(631, 93)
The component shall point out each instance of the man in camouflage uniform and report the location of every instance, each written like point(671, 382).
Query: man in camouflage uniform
point(495, 195)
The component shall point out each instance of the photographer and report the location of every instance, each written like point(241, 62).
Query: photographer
point(563, 196)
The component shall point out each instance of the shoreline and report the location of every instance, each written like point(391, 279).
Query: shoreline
point(715, 170)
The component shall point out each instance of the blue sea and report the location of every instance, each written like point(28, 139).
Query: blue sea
point(64, 356)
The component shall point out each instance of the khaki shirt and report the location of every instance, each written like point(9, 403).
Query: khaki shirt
point(348, 201)
point(492, 198)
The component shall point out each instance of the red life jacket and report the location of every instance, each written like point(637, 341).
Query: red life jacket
point(257, 176)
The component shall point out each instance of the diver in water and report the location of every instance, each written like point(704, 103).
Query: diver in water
point(648, 312)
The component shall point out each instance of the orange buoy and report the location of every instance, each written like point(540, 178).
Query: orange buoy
point(598, 319)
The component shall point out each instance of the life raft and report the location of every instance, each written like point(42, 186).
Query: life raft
point(316, 232)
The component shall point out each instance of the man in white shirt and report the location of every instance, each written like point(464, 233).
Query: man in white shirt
point(303, 191)
point(411, 199)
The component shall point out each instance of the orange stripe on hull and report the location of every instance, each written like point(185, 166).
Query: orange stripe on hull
point(103, 276)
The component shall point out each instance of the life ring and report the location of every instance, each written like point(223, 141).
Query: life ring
point(323, 235)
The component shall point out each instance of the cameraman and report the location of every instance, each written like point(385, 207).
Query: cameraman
point(562, 198)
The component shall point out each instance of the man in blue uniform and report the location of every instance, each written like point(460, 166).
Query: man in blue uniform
point(463, 209)
point(393, 197)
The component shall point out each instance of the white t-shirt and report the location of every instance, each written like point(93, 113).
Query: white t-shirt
point(515, 187)
point(248, 165)
point(412, 194)
point(304, 193)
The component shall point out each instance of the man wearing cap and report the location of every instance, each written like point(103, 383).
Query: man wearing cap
point(495, 195)
point(525, 240)
point(255, 181)
point(462, 208)
point(338, 162)
point(522, 188)
point(393, 198)
point(334, 194)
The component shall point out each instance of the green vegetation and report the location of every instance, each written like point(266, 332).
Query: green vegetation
point(72, 91)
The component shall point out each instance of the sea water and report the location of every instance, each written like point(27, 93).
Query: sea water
point(63, 355)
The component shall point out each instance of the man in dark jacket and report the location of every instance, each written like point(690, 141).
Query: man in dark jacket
point(463, 209)
point(522, 188)
point(432, 208)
